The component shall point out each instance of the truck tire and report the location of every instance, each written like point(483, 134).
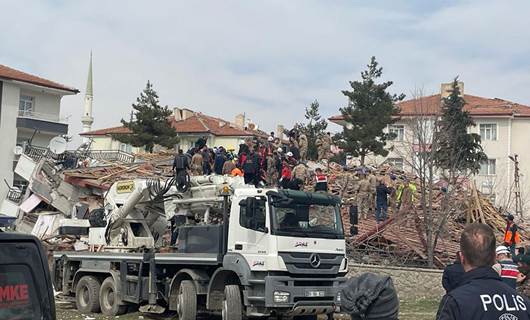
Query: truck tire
point(87, 294)
point(108, 301)
point(232, 304)
point(187, 301)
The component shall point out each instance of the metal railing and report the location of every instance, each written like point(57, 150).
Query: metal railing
point(40, 116)
point(37, 153)
point(111, 155)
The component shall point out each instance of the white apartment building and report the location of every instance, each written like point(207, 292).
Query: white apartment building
point(29, 114)
point(504, 128)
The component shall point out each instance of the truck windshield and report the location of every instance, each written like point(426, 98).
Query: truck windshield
point(307, 220)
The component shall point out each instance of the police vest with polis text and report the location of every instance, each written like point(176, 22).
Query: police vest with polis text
point(483, 295)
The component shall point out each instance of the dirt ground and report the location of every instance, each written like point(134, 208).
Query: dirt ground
point(409, 310)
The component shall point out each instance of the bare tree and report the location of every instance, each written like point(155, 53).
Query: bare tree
point(437, 189)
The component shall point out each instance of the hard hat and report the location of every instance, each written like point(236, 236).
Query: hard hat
point(280, 150)
point(289, 154)
point(270, 139)
point(502, 250)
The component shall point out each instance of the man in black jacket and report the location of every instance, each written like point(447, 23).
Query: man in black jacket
point(481, 293)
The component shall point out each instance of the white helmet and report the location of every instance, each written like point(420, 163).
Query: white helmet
point(280, 150)
point(289, 154)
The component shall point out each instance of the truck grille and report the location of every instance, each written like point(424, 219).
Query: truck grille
point(308, 263)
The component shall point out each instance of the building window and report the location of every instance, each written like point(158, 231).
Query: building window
point(488, 131)
point(396, 163)
point(398, 130)
point(25, 105)
point(487, 168)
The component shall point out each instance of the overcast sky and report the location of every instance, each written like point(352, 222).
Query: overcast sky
point(268, 59)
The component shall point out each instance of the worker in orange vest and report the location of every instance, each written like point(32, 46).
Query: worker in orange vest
point(511, 234)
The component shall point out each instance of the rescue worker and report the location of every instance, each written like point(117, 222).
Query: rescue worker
point(251, 168)
point(324, 146)
point(196, 164)
point(206, 157)
point(381, 208)
point(523, 279)
point(236, 172)
point(272, 170)
point(363, 196)
point(481, 294)
point(300, 172)
point(181, 166)
point(303, 145)
point(511, 234)
point(286, 175)
point(228, 166)
point(505, 266)
point(220, 159)
point(373, 185)
point(321, 181)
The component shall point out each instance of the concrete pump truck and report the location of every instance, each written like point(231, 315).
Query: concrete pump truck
point(237, 251)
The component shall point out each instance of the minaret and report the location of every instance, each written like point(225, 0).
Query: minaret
point(87, 118)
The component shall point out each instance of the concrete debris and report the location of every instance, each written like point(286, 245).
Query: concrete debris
point(61, 198)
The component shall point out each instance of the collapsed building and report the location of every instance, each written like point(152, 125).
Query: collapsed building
point(63, 192)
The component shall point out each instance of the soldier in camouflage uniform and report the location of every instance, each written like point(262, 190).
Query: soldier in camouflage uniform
point(303, 145)
point(363, 196)
point(196, 164)
point(300, 172)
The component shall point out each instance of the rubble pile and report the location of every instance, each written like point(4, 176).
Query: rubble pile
point(400, 240)
point(57, 197)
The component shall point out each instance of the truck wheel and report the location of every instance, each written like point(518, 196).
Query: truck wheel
point(232, 304)
point(187, 301)
point(87, 294)
point(108, 299)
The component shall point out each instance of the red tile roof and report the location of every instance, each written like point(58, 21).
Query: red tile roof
point(476, 106)
point(12, 74)
point(196, 124)
point(102, 132)
point(200, 123)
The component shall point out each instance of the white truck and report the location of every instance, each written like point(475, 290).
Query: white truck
point(241, 252)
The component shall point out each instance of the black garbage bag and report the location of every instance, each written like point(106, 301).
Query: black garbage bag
point(369, 296)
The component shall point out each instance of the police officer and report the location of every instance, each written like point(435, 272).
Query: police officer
point(481, 293)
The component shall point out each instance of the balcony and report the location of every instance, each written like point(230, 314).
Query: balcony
point(42, 122)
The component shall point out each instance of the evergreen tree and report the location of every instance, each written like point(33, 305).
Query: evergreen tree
point(314, 128)
point(370, 110)
point(150, 125)
point(457, 150)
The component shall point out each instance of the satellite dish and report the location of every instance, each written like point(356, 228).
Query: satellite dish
point(18, 150)
point(57, 145)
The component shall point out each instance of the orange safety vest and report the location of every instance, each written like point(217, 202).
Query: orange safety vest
point(237, 172)
point(508, 237)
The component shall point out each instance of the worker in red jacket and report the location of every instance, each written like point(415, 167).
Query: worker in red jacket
point(321, 180)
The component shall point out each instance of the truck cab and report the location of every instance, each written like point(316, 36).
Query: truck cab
point(289, 246)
